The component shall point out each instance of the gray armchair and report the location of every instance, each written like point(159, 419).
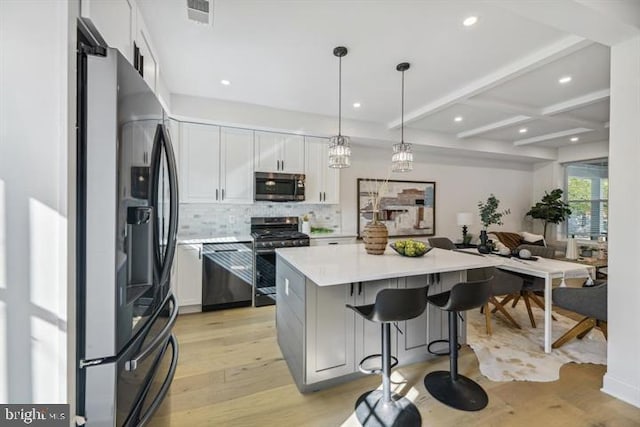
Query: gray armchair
point(590, 302)
point(532, 284)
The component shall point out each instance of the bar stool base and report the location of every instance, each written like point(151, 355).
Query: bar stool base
point(371, 411)
point(463, 393)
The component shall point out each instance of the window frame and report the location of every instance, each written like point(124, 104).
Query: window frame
point(599, 201)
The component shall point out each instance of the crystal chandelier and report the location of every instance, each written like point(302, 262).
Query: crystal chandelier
point(339, 149)
point(402, 158)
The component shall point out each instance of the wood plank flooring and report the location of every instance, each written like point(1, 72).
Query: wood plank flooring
point(231, 373)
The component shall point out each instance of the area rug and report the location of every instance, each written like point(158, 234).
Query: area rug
point(512, 354)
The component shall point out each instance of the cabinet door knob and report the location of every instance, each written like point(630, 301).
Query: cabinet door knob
point(222, 194)
point(282, 162)
point(216, 194)
point(277, 164)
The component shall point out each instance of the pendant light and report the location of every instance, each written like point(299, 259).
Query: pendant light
point(402, 158)
point(339, 149)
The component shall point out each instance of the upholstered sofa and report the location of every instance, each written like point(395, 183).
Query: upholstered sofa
point(522, 240)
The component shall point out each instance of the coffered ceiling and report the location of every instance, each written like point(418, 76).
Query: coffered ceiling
point(500, 77)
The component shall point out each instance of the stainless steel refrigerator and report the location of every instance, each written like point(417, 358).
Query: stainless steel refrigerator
point(127, 202)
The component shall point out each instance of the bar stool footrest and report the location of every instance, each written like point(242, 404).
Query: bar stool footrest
point(377, 371)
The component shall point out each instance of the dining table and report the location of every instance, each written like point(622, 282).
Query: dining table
point(547, 269)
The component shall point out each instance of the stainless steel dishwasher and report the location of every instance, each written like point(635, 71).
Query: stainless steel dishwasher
point(227, 279)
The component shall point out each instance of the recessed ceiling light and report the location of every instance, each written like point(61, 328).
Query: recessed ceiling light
point(225, 82)
point(356, 105)
point(470, 21)
point(574, 139)
point(523, 130)
point(564, 80)
point(457, 118)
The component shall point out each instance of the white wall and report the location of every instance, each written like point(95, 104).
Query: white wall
point(460, 184)
point(37, 116)
point(622, 379)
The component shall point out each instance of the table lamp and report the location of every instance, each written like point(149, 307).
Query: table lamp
point(465, 219)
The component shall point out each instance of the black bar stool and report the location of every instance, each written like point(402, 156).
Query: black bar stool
point(450, 387)
point(381, 407)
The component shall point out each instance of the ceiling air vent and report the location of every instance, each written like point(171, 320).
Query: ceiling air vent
point(200, 11)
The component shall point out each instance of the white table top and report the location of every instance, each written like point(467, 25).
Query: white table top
point(541, 267)
point(338, 264)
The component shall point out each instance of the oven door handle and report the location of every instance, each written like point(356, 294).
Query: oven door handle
point(265, 251)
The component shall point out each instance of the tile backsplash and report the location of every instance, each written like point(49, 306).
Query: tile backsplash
point(214, 220)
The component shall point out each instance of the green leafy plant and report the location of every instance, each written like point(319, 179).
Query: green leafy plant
point(551, 209)
point(489, 213)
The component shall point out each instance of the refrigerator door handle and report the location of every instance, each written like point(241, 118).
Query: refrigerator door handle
point(162, 140)
point(165, 384)
point(132, 365)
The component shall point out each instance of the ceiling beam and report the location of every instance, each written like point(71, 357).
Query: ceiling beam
point(579, 102)
point(534, 113)
point(493, 126)
point(550, 53)
point(549, 136)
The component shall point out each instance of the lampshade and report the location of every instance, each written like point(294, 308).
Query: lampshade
point(402, 158)
point(339, 149)
point(465, 218)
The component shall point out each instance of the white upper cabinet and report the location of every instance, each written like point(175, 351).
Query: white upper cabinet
point(115, 20)
point(236, 165)
point(199, 163)
point(121, 25)
point(216, 165)
point(277, 152)
point(322, 182)
point(147, 60)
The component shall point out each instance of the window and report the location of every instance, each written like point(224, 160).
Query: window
point(587, 190)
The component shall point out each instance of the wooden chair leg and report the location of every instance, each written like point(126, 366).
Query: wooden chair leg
point(584, 324)
point(603, 327)
point(525, 297)
point(504, 301)
point(498, 306)
point(487, 317)
point(584, 334)
point(539, 303)
point(515, 301)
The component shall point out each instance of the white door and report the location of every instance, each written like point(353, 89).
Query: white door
point(313, 172)
point(236, 165)
point(150, 62)
point(189, 275)
point(115, 21)
point(292, 160)
point(199, 163)
point(268, 149)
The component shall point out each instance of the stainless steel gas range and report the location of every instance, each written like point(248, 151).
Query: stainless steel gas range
point(270, 233)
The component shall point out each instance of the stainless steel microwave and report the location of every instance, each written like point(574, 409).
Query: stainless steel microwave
point(279, 187)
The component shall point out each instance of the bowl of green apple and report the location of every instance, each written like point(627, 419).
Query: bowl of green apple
point(410, 248)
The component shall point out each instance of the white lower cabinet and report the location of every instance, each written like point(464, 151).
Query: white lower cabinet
point(188, 283)
point(323, 341)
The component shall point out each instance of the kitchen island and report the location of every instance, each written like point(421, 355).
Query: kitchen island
point(323, 341)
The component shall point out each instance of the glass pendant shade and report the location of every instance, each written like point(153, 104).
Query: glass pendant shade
point(339, 152)
point(402, 158)
point(339, 148)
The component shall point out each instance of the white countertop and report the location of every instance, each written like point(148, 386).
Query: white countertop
point(337, 264)
point(219, 239)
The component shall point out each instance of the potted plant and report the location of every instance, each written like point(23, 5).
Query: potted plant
point(551, 209)
point(489, 214)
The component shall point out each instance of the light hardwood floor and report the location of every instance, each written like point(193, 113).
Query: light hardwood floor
point(231, 373)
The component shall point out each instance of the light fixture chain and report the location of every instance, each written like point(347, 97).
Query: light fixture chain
point(340, 96)
point(402, 112)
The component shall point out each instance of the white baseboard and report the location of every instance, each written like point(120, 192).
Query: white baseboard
point(188, 309)
point(621, 390)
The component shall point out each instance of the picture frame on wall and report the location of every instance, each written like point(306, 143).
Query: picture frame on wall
point(407, 208)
